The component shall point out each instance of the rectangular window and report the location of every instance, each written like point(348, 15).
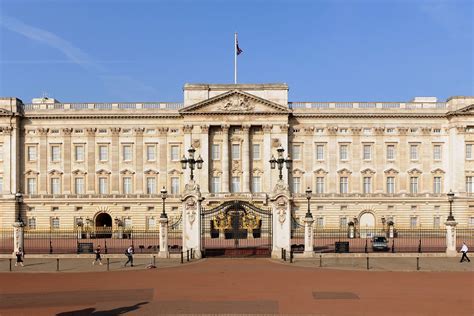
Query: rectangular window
point(343, 185)
point(296, 185)
point(55, 153)
point(256, 151)
point(390, 185)
point(296, 152)
point(103, 188)
point(79, 152)
point(151, 152)
point(367, 152)
point(471, 222)
point(215, 152)
point(367, 185)
point(128, 224)
point(174, 152)
point(55, 223)
point(470, 184)
point(150, 185)
point(320, 185)
point(414, 152)
point(1, 184)
point(127, 185)
point(413, 222)
point(437, 185)
point(390, 152)
point(103, 152)
point(151, 223)
point(235, 151)
point(436, 222)
point(343, 152)
point(413, 185)
point(469, 152)
point(1, 152)
point(235, 184)
point(215, 184)
point(256, 184)
point(32, 155)
point(319, 152)
point(31, 183)
point(343, 222)
point(437, 152)
point(55, 186)
point(32, 223)
point(127, 153)
point(174, 185)
point(79, 185)
point(320, 222)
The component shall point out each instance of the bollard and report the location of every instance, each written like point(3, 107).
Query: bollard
point(291, 256)
point(182, 258)
point(393, 245)
point(10, 264)
point(108, 264)
point(192, 254)
point(187, 255)
point(154, 261)
point(284, 254)
point(419, 247)
point(417, 263)
point(320, 260)
point(57, 264)
point(368, 266)
point(366, 249)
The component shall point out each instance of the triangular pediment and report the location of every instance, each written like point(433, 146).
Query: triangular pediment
point(467, 110)
point(235, 102)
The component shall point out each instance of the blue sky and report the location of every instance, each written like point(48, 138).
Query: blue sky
point(138, 50)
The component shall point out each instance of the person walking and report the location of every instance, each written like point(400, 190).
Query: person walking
point(129, 254)
point(464, 250)
point(19, 257)
point(97, 256)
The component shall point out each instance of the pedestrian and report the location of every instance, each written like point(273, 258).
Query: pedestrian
point(129, 254)
point(97, 256)
point(19, 257)
point(464, 250)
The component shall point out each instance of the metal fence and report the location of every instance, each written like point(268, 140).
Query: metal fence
point(6, 241)
point(175, 235)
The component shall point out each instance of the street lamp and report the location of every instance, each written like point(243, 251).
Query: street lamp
point(191, 161)
point(308, 197)
point(450, 199)
point(280, 161)
point(19, 201)
point(163, 196)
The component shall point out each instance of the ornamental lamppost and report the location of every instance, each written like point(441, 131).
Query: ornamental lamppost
point(308, 197)
point(450, 195)
point(191, 161)
point(19, 201)
point(164, 195)
point(280, 161)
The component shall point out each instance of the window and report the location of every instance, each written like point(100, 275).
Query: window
point(1, 184)
point(390, 185)
point(296, 185)
point(343, 185)
point(320, 152)
point(55, 187)
point(256, 184)
point(235, 151)
point(469, 154)
point(343, 154)
point(55, 153)
point(320, 222)
point(79, 152)
point(390, 152)
point(471, 222)
point(437, 185)
point(128, 224)
point(151, 223)
point(343, 222)
point(174, 153)
point(127, 153)
point(151, 152)
point(436, 222)
point(103, 153)
point(150, 185)
point(256, 151)
point(215, 152)
point(127, 185)
point(296, 152)
point(32, 223)
point(319, 185)
point(151, 208)
point(414, 152)
point(79, 185)
point(413, 185)
point(367, 185)
point(31, 185)
point(235, 184)
point(103, 189)
point(54, 209)
point(437, 152)
point(1, 152)
point(215, 184)
point(32, 155)
point(413, 222)
point(470, 184)
point(174, 185)
point(55, 223)
point(78, 208)
point(367, 152)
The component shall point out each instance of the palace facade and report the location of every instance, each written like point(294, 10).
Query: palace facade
point(104, 164)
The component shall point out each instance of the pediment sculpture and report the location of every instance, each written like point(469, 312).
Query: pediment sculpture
point(236, 103)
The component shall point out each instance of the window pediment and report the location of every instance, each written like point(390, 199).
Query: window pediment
point(391, 171)
point(414, 172)
point(30, 172)
point(216, 172)
point(368, 172)
point(151, 172)
point(298, 172)
point(344, 171)
point(127, 172)
point(438, 171)
point(320, 172)
point(79, 172)
point(175, 171)
point(55, 172)
point(257, 171)
point(102, 172)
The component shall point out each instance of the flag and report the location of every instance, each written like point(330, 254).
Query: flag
point(237, 48)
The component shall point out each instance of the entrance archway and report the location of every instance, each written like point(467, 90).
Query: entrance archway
point(103, 225)
point(367, 225)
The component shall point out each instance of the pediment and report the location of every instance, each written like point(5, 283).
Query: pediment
point(467, 110)
point(235, 102)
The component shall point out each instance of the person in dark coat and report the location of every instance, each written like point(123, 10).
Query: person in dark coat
point(19, 257)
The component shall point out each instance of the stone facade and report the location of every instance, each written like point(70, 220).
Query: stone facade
point(366, 162)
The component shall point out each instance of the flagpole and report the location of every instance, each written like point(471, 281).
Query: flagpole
point(235, 58)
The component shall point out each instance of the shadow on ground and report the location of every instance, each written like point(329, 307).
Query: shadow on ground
point(93, 311)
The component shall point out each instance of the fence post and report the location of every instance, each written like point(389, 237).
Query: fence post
point(164, 252)
point(308, 236)
point(182, 258)
point(187, 255)
point(419, 247)
point(105, 242)
point(393, 245)
point(451, 238)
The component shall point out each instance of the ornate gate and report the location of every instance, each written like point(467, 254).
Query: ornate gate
point(236, 228)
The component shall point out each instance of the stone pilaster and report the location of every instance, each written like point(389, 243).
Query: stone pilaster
point(18, 236)
point(267, 155)
point(246, 158)
point(356, 160)
point(164, 252)
point(281, 210)
point(379, 158)
point(191, 208)
point(139, 156)
point(402, 156)
point(204, 180)
point(308, 237)
point(163, 157)
point(43, 161)
point(451, 238)
point(225, 158)
point(91, 159)
point(115, 157)
point(308, 156)
point(333, 177)
point(67, 160)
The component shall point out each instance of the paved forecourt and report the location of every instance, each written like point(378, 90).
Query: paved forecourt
point(241, 286)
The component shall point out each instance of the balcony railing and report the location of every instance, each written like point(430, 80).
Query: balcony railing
point(365, 105)
point(103, 106)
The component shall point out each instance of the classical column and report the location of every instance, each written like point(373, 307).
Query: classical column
point(43, 161)
point(308, 156)
point(402, 151)
point(163, 253)
point(67, 160)
point(91, 159)
point(378, 152)
point(333, 186)
point(267, 155)
point(356, 160)
point(225, 158)
point(163, 157)
point(204, 180)
point(8, 169)
point(139, 156)
point(246, 158)
point(114, 157)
